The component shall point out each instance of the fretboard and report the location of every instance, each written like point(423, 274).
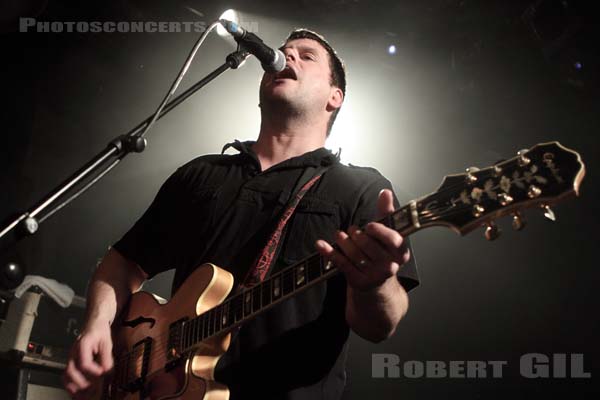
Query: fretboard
point(279, 286)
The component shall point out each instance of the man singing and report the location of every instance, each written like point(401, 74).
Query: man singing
point(224, 208)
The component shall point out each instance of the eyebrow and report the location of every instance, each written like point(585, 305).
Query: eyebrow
point(302, 48)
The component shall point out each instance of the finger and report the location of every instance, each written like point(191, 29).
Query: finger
point(352, 273)
point(371, 248)
point(85, 360)
point(71, 388)
point(105, 356)
point(388, 238)
point(75, 379)
point(385, 203)
point(350, 250)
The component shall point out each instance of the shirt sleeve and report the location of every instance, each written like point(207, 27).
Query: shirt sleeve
point(367, 211)
point(152, 242)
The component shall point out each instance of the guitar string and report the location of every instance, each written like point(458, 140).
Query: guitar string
point(161, 340)
point(426, 216)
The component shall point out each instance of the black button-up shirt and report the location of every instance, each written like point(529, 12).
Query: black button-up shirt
point(221, 209)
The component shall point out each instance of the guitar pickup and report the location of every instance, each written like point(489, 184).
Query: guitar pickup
point(137, 365)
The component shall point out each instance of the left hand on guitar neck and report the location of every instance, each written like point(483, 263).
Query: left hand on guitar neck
point(370, 256)
point(370, 259)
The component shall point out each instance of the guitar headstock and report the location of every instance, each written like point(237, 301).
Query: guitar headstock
point(539, 177)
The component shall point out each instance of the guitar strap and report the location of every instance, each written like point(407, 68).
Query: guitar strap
point(259, 269)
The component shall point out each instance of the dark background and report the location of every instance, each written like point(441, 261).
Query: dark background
point(472, 82)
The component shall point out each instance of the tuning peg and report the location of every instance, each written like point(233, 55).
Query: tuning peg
point(478, 210)
point(492, 231)
point(518, 222)
point(533, 192)
point(505, 199)
point(523, 160)
point(548, 213)
point(497, 171)
point(470, 177)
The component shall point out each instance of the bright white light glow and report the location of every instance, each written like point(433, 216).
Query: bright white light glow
point(392, 49)
point(345, 134)
point(230, 15)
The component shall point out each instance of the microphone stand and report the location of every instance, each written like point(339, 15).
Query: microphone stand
point(27, 223)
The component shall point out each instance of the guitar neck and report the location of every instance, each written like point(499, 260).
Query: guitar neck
point(539, 177)
point(281, 285)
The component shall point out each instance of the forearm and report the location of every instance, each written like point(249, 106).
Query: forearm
point(113, 282)
point(374, 314)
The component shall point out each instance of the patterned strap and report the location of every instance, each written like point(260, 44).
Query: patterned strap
point(263, 262)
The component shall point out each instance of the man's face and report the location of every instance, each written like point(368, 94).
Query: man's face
point(305, 83)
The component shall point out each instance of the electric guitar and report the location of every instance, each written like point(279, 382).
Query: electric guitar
point(170, 350)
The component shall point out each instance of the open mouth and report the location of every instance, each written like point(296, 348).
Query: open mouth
point(287, 73)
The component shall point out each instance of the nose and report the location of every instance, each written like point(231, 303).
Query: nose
point(289, 56)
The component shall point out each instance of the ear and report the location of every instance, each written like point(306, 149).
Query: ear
point(336, 98)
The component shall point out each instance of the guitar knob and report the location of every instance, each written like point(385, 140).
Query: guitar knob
point(548, 213)
point(518, 222)
point(492, 231)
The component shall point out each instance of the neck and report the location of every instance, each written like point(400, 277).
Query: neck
point(278, 142)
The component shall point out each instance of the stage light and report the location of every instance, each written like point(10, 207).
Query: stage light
point(391, 50)
point(230, 15)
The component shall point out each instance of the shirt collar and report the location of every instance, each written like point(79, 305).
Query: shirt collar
point(315, 158)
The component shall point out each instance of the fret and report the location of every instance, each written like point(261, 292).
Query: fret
point(247, 302)
point(185, 335)
point(326, 266)
point(313, 267)
point(265, 292)
point(211, 322)
point(300, 275)
point(205, 326)
point(181, 335)
point(400, 219)
point(225, 315)
point(216, 319)
point(238, 307)
point(218, 316)
point(232, 311)
point(200, 323)
point(192, 329)
point(276, 289)
point(287, 282)
point(256, 297)
point(191, 333)
point(195, 335)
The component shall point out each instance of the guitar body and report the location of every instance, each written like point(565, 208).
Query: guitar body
point(140, 337)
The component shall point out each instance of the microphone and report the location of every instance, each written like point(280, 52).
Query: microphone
point(272, 60)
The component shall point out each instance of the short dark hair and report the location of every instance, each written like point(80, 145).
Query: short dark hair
point(336, 65)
